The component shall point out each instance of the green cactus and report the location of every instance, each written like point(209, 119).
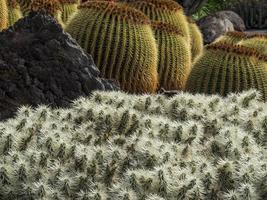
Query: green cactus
point(3, 15)
point(94, 150)
point(25, 6)
point(14, 12)
point(197, 44)
point(69, 7)
point(174, 56)
point(166, 11)
point(51, 7)
point(232, 37)
point(257, 41)
point(228, 68)
point(121, 41)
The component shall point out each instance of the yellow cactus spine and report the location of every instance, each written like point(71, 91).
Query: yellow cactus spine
point(121, 41)
point(14, 12)
point(257, 41)
point(196, 42)
point(3, 15)
point(174, 56)
point(232, 37)
point(166, 11)
point(51, 7)
point(226, 68)
point(25, 6)
point(69, 7)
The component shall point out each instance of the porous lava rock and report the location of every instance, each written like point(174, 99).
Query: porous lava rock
point(41, 64)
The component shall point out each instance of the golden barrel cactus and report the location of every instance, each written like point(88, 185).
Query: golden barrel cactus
point(174, 56)
point(226, 68)
point(3, 14)
point(14, 12)
point(121, 41)
point(68, 7)
point(51, 7)
point(166, 11)
point(257, 41)
point(196, 42)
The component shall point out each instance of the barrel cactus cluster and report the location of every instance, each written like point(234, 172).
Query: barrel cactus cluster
point(117, 146)
point(143, 58)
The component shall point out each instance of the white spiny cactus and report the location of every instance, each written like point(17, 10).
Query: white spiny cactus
point(130, 147)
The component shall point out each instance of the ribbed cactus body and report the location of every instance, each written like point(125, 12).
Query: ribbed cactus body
point(69, 7)
point(14, 12)
point(166, 11)
point(121, 41)
point(3, 15)
point(174, 63)
point(228, 68)
point(232, 37)
point(196, 42)
point(25, 6)
point(258, 42)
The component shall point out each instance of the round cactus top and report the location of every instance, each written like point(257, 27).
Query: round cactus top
point(238, 49)
point(117, 9)
point(244, 35)
point(165, 27)
point(68, 1)
point(49, 6)
point(160, 4)
point(257, 35)
point(236, 34)
point(12, 3)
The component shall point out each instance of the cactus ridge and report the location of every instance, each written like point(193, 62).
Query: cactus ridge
point(161, 26)
point(173, 68)
point(12, 4)
point(158, 4)
point(196, 42)
point(3, 15)
point(121, 41)
point(14, 12)
point(25, 6)
point(49, 6)
point(226, 68)
point(69, 8)
point(68, 1)
point(237, 34)
point(238, 49)
point(121, 10)
point(257, 35)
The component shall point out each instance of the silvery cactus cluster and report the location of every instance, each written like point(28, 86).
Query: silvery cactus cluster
point(128, 147)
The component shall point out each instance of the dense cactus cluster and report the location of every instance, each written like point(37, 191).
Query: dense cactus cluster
point(118, 146)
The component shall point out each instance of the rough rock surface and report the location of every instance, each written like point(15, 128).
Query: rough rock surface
point(215, 25)
point(41, 64)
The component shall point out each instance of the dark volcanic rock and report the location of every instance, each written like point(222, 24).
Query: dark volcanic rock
point(41, 64)
point(217, 24)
